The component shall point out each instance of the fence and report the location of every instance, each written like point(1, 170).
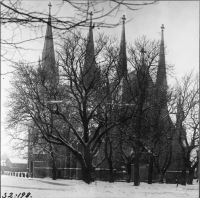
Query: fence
point(16, 174)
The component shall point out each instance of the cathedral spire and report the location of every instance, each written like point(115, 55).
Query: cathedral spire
point(49, 8)
point(161, 80)
point(122, 68)
point(90, 42)
point(143, 70)
point(90, 69)
point(48, 56)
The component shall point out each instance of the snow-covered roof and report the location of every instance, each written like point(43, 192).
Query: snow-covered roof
point(18, 161)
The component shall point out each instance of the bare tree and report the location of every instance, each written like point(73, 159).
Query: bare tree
point(161, 152)
point(27, 142)
point(110, 155)
point(84, 92)
point(149, 133)
point(139, 94)
point(187, 123)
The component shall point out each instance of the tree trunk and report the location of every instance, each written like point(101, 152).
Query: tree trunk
point(191, 176)
point(183, 176)
point(161, 177)
point(88, 174)
point(88, 170)
point(54, 170)
point(137, 170)
point(111, 172)
point(128, 168)
point(150, 172)
point(109, 158)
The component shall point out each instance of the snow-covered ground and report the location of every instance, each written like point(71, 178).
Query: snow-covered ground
point(47, 188)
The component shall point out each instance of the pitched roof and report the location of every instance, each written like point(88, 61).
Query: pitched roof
point(18, 161)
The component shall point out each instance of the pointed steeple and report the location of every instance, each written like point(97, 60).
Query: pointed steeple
point(90, 71)
point(161, 80)
point(142, 71)
point(48, 55)
point(122, 68)
point(89, 56)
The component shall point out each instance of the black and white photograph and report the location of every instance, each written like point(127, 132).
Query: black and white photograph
point(99, 99)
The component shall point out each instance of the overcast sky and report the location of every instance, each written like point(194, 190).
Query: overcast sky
point(180, 18)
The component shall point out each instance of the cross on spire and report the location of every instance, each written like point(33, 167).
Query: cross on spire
point(123, 19)
point(162, 27)
point(49, 7)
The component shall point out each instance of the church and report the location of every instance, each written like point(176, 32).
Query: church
point(66, 166)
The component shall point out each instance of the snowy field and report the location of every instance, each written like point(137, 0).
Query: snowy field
point(47, 188)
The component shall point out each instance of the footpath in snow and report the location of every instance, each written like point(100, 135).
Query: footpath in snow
point(47, 188)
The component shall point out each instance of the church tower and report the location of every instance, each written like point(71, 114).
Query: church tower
point(90, 73)
point(48, 62)
point(161, 97)
point(122, 67)
point(161, 80)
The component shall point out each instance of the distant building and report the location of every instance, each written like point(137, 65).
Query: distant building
point(16, 165)
point(3, 165)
